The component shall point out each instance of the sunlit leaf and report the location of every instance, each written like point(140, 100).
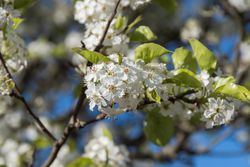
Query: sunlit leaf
point(137, 20)
point(149, 51)
point(121, 22)
point(16, 22)
point(93, 57)
point(153, 96)
point(205, 58)
point(235, 91)
point(143, 34)
point(185, 78)
point(81, 162)
point(183, 58)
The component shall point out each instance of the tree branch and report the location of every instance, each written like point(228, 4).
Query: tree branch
point(73, 122)
point(17, 94)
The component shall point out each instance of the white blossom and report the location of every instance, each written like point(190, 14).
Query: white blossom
point(245, 51)
point(103, 150)
point(14, 51)
point(98, 10)
point(191, 29)
point(11, 152)
point(6, 84)
point(177, 109)
point(114, 88)
point(217, 112)
point(113, 43)
point(240, 5)
point(7, 13)
point(40, 48)
point(154, 74)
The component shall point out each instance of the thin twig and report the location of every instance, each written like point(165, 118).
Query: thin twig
point(17, 94)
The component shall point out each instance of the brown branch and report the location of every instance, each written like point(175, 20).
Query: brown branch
point(17, 94)
point(73, 122)
point(99, 46)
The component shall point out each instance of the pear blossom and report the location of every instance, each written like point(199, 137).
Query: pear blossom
point(6, 84)
point(14, 51)
point(217, 112)
point(240, 5)
point(191, 29)
point(245, 51)
point(103, 150)
point(177, 109)
point(113, 87)
point(7, 13)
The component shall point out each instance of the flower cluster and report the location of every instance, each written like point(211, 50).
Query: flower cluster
point(94, 14)
point(191, 29)
point(217, 112)
point(12, 47)
point(240, 5)
point(245, 51)
point(6, 84)
point(11, 151)
point(7, 13)
point(104, 151)
point(114, 87)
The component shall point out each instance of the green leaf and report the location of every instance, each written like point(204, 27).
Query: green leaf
point(107, 133)
point(223, 81)
point(168, 5)
point(121, 22)
point(81, 162)
point(205, 58)
point(119, 59)
point(186, 78)
point(149, 51)
point(16, 22)
point(158, 129)
point(153, 96)
point(143, 34)
point(18, 4)
point(235, 91)
point(137, 20)
point(183, 58)
point(42, 142)
point(93, 57)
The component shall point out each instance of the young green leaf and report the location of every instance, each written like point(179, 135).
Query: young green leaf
point(158, 129)
point(153, 96)
point(183, 58)
point(119, 59)
point(205, 58)
point(82, 162)
point(235, 91)
point(223, 81)
point(143, 34)
point(16, 22)
point(121, 22)
point(149, 51)
point(106, 132)
point(186, 78)
point(93, 57)
point(131, 25)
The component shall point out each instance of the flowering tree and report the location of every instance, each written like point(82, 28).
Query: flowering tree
point(119, 66)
